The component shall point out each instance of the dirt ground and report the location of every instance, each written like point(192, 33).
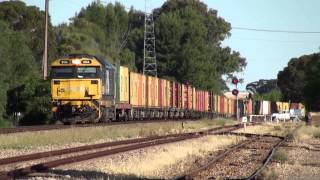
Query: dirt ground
point(302, 161)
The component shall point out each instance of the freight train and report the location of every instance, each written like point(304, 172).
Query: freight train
point(87, 88)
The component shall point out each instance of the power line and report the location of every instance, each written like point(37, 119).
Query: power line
point(276, 31)
point(272, 40)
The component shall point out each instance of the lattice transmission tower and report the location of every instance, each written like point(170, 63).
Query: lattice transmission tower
point(150, 58)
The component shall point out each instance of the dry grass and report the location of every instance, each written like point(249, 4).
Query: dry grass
point(30, 140)
point(268, 174)
point(158, 162)
point(306, 132)
point(282, 129)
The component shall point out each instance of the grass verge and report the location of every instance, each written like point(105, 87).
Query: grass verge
point(306, 132)
point(29, 140)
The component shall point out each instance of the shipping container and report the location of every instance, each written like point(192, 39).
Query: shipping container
point(249, 107)
point(176, 95)
point(211, 101)
point(294, 105)
point(201, 102)
point(222, 110)
point(285, 106)
point(122, 85)
point(241, 108)
point(226, 105)
point(206, 101)
point(167, 94)
point(194, 101)
point(266, 108)
point(274, 107)
point(218, 105)
point(137, 90)
point(152, 92)
point(161, 92)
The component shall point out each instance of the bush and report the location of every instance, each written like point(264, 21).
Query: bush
point(280, 156)
point(316, 134)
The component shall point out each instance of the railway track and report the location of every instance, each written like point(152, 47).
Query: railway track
point(242, 161)
point(96, 151)
point(19, 129)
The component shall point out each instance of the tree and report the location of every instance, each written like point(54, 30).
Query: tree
point(20, 56)
point(299, 81)
point(188, 44)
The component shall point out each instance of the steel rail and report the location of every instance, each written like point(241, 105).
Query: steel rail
point(47, 165)
point(228, 151)
point(53, 153)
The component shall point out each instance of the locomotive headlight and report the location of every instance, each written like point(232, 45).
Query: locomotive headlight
point(76, 61)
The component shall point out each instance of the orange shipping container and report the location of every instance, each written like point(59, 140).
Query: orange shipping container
point(218, 105)
point(152, 92)
point(137, 90)
point(206, 101)
point(166, 94)
point(249, 107)
point(226, 105)
point(194, 99)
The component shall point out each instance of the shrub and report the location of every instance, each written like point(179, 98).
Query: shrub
point(280, 156)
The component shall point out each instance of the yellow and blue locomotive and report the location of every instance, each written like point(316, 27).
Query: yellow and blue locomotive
point(83, 89)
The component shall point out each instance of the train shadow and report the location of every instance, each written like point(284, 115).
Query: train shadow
point(75, 174)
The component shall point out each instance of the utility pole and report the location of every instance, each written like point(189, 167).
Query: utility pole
point(149, 59)
point(45, 50)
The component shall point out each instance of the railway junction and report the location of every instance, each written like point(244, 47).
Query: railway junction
point(199, 150)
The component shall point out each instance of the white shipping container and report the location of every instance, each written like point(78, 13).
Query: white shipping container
point(266, 107)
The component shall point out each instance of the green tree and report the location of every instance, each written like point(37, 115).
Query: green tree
point(299, 81)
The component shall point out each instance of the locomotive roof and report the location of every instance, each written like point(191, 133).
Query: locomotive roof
point(104, 62)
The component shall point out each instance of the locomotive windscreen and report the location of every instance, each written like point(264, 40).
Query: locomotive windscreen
point(75, 72)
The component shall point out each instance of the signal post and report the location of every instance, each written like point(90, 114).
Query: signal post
point(235, 92)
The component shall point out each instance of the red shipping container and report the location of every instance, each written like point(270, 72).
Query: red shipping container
point(222, 110)
point(294, 105)
point(187, 97)
point(175, 95)
point(160, 92)
point(249, 107)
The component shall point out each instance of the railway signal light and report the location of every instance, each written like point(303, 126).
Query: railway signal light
point(235, 81)
point(235, 92)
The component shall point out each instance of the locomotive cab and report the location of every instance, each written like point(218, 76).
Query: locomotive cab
point(80, 86)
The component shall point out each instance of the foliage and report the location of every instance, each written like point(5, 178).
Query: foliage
point(280, 156)
point(188, 43)
point(299, 81)
point(189, 48)
point(20, 51)
point(273, 96)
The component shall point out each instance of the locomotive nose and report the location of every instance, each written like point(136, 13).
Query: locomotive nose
point(75, 89)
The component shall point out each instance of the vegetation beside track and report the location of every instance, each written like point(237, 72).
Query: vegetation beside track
point(31, 140)
point(281, 129)
point(299, 158)
point(160, 162)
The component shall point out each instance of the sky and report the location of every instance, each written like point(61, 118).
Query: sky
point(266, 52)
